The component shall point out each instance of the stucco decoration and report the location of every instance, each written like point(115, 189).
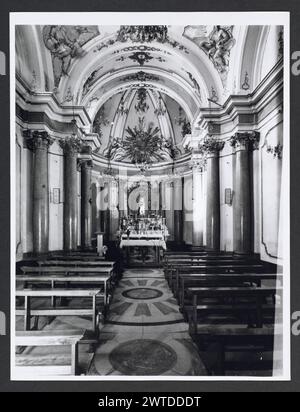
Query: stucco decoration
point(216, 43)
point(65, 43)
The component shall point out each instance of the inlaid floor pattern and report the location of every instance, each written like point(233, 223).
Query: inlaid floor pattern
point(145, 334)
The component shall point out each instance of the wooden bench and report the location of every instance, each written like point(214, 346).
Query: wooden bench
point(28, 294)
point(184, 281)
point(221, 339)
point(102, 280)
point(254, 295)
point(76, 257)
point(67, 269)
point(172, 273)
point(75, 262)
point(48, 338)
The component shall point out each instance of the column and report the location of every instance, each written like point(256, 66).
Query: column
point(39, 142)
point(86, 203)
point(178, 213)
point(71, 148)
point(198, 164)
point(213, 197)
point(242, 142)
point(169, 212)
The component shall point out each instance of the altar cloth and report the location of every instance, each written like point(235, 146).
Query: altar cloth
point(143, 242)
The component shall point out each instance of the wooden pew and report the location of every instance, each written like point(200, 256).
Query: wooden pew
point(102, 281)
point(255, 295)
point(28, 294)
point(54, 262)
point(173, 272)
point(222, 279)
point(48, 338)
point(87, 258)
point(67, 270)
point(251, 343)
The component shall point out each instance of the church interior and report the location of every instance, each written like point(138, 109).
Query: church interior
point(148, 193)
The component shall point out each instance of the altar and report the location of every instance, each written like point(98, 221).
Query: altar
point(143, 240)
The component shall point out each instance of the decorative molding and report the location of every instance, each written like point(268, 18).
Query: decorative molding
point(140, 57)
point(245, 140)
point(100, 121)
point(186, 127)
point(198, 163)
point(246, 84)
point(276, 151)
point(141, 105)
point(194, 82)
point(69, 97)
point(143, 34)
point(160, 110)
point(214, 96)
point(33, 84)
point(90, 81)
point(140, 77)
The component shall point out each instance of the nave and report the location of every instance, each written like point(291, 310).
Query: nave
point(151, 201)
point(185, 319)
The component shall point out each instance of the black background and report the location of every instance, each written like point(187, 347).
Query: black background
point(293, 6)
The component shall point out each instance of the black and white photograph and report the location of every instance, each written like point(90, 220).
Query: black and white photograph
point(150, 196)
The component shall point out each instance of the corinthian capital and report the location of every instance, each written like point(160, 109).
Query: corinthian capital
point(245, 140)
point(211, 146)
point(71, 145)
point(37, 139)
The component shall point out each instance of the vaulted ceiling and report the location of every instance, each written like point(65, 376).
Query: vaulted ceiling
point(164, 74)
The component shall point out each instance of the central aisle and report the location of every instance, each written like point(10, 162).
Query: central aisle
point(145, 334)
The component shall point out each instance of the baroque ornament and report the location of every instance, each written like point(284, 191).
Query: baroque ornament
point(37, 139)
point(140, 76)
point(276, 151)
point(100, 121)
point(142, 145)
point(141, 105)
point(186, 128)
point(71, 145)
point(65, 43)
point(198, 163)
point(90, 81)
point(216, 44)
point(143, 34)
point(210, 145)
point(246, 84)
point(141, 57)
point(245, 139)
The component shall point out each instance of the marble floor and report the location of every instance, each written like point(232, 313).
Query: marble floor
point(145, 334)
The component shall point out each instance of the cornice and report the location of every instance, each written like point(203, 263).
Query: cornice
point(48, 102)
point(239, 105)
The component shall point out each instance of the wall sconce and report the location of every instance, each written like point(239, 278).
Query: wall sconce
point(55, 196)
point(228, 196)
